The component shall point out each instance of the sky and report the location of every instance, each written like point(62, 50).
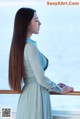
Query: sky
point(58, 40)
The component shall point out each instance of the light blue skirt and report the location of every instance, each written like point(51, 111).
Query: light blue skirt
point(34, 102)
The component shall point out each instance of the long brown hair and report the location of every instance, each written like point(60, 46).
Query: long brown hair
point(16, 58)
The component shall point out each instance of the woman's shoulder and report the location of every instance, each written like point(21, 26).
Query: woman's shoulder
point(31, 47)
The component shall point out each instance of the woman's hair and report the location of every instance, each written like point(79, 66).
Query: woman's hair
point(22, 20)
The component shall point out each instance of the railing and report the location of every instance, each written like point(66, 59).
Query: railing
point(9, 92)
point(77, 93)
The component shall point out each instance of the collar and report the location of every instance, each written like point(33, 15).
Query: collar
point(29, 40)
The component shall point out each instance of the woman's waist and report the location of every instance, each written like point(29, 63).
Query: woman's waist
point(29, 80)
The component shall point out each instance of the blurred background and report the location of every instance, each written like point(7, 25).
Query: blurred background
point(58, 40)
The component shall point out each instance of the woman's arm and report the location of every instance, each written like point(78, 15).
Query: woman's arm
point(34, 59)
point(33, 55)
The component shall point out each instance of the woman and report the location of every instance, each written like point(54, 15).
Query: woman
point(27, 63)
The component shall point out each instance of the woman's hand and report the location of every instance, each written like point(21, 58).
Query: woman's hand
point(66, 89)
point(61, 85)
